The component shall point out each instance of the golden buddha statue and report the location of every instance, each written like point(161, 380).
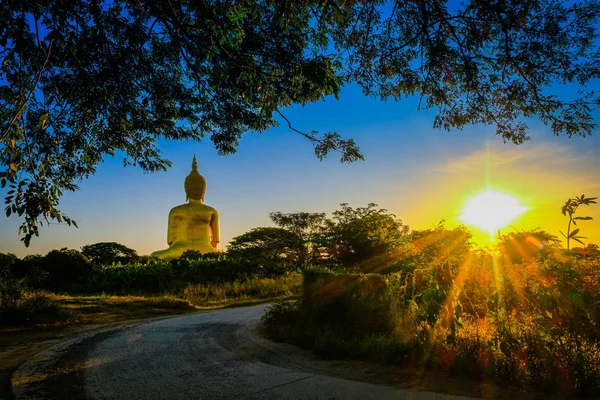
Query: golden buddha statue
point(194, 225)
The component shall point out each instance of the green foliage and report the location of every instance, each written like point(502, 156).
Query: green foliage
point(352, 238)
point(439, 249)
point(348, 302)
point(70, 271)
point(81, 82)
point(535, 324)
point(31, 269)
point(106, 253)
point(190, 255)
point(203, 280)
point(158, 276)
point(569, 209)
point(306, 230)
point(268, 246)
point(84, 81)
point(357, 235)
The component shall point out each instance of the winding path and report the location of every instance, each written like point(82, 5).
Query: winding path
point(214, 355)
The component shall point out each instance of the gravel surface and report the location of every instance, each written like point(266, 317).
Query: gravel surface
point(212, 355)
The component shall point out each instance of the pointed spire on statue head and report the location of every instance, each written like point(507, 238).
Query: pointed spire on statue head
point(195, 184)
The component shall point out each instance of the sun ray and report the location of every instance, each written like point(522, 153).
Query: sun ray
point(491, 211)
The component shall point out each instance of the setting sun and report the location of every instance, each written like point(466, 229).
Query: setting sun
point(491, 210)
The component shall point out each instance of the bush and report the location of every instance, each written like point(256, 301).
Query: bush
point(67, 269)
point(6, 265)
point(536, 324)
point(359, 303)
point(18, 306)
point(31, 270)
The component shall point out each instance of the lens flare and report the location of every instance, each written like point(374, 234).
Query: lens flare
point(491, 210)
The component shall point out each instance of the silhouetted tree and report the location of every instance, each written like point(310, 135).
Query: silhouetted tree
point(267, 245)
point(85, 79)
point(65, 267)
point(106, 253)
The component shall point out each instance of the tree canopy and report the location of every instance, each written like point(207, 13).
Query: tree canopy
point(107, 253)
point(267, 245)
point(81, 80)
point(351, 236)
point(363, 233)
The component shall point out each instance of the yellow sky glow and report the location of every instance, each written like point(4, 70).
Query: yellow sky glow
point(542, 178)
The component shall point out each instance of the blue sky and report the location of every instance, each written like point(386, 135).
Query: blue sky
point(419, 173)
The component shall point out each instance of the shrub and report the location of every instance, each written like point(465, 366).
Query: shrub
point(536, 324)
point(18, 306)
point(67, 269)
point(6, 265)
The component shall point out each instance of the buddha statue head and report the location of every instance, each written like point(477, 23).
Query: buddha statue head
point(195, 184)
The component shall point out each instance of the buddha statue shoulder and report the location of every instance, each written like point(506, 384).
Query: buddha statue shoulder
point(193, 225)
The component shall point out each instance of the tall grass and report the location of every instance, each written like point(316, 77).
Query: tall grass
point(243, 291)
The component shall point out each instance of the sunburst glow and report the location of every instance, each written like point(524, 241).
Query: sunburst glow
point(491, 210)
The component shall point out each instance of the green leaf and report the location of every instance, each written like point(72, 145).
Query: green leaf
point(577, 239)
point(583, 218)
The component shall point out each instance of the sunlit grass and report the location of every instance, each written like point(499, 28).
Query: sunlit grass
point(243, 291)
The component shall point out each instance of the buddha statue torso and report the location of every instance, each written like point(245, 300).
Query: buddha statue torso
point(194, 225)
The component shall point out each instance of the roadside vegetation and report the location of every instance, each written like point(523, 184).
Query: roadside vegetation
point(364, 286)
point(526, 312)
point(69, 287)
